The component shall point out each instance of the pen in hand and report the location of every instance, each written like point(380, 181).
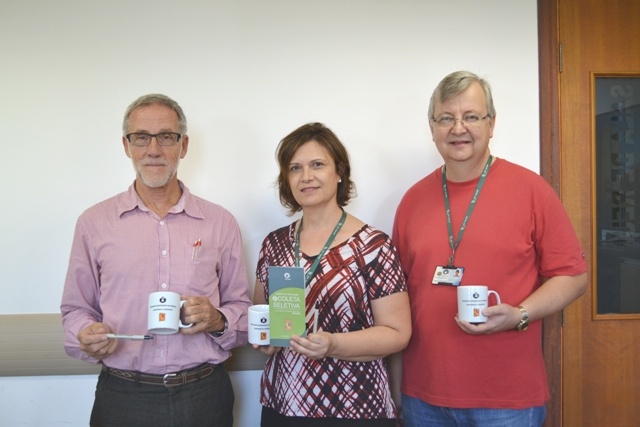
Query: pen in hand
point(129, 337)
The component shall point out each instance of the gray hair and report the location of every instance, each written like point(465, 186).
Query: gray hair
point(456, 83)
point(151, 99)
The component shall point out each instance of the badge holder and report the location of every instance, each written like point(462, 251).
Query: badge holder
point(448, 275)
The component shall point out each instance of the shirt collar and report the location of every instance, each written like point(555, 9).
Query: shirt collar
point(129, 201)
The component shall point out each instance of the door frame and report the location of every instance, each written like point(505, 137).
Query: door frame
point(549, 66)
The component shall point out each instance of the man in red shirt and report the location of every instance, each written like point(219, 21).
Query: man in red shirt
point(499, 225)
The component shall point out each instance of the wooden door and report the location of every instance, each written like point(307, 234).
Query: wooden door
point(594, 359)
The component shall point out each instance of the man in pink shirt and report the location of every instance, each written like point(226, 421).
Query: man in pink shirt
point(157, 236)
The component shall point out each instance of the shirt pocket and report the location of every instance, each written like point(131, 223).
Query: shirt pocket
point(198, 269)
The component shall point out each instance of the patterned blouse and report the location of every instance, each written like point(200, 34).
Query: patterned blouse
point(349, 276)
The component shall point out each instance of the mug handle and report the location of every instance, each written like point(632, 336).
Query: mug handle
point(496, 294)
point(182, 325)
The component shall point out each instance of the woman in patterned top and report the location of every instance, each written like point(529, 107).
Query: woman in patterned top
point(337, 376)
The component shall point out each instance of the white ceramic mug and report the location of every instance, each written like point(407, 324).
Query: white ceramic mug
point(259, 324)
point(164, 313)
point(472, 300)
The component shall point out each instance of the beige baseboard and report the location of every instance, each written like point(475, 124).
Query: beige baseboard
point(31, 345)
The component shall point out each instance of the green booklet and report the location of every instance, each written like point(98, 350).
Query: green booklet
point(286, 305)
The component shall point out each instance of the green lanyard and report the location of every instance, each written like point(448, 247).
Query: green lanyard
point(447, 208)
point(335, 231)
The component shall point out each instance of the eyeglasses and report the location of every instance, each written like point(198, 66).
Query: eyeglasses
point(468, 120)
point(165, 139)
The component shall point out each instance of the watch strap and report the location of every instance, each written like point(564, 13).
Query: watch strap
point(524, 320)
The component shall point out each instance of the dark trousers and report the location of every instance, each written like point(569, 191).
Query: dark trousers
point(271, 418)
point(205, 402)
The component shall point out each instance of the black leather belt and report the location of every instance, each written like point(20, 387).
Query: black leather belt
point(166, 380)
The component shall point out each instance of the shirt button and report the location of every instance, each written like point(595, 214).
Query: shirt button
point(164, 253)
point(161, 222)
point(163, 286)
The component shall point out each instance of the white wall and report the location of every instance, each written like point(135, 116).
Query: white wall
point(247, 73)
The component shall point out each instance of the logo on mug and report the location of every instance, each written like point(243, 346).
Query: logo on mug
point(162, 317)
point(263, 336)
point(163, 300)
point(263, 320)
point(476, 295)
point(476, 312)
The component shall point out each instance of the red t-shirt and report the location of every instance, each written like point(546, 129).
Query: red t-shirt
point(517, 233)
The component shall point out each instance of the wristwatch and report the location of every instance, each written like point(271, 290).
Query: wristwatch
point(220, 333)
point(524, 321)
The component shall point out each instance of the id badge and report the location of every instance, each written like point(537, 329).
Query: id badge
point(448, 275)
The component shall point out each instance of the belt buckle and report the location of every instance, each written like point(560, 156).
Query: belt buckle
point(166, 377)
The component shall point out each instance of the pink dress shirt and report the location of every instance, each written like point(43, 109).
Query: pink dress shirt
point(122, 252)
